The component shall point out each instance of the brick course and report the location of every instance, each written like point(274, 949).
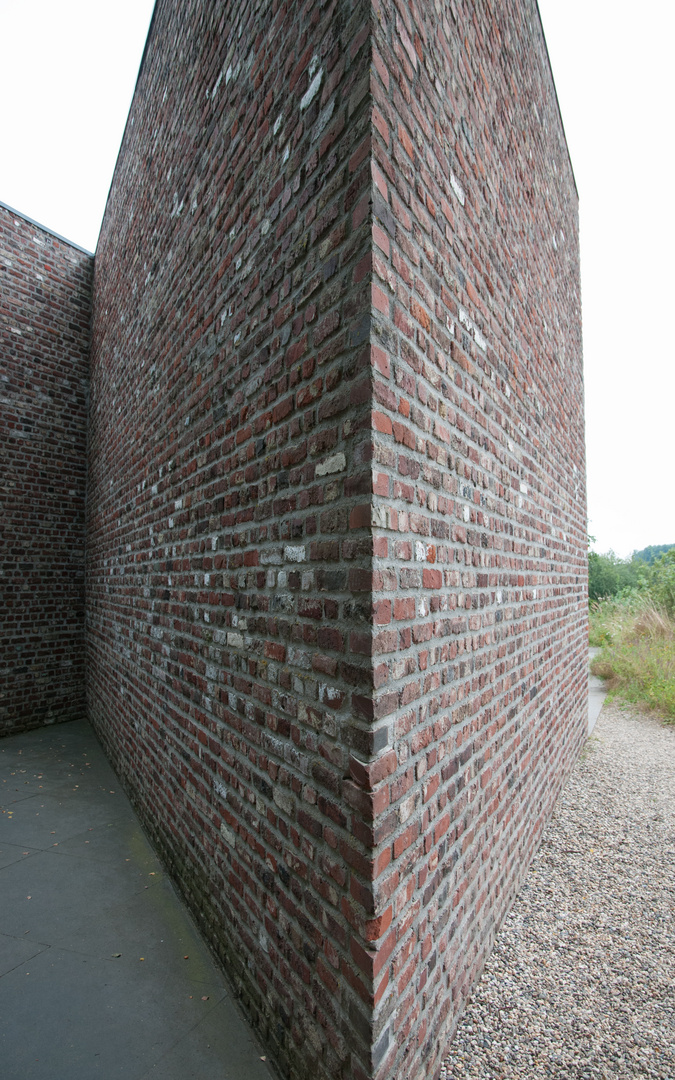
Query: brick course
point(45, 308)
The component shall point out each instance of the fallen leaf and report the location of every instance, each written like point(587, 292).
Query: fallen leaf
point(117, 954)
point(205, 998)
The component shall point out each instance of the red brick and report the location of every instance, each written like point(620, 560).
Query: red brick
point(45, 308)
point(381, 422)
point(380, 300)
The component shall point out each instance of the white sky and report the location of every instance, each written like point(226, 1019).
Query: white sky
point(67, 74)
point(613, 66)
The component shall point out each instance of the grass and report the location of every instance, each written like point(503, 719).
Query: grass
point(637, 638)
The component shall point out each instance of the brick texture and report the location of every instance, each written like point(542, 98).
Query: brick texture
point(336, 570)
point(45, 308)
point(479, 579)
point(229, 544)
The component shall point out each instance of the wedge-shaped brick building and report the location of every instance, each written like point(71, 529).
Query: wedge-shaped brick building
point(336, 524)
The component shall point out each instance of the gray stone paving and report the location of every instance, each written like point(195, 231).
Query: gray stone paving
point(102, 972)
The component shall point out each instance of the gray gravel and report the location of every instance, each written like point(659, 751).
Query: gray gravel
point(581, 983)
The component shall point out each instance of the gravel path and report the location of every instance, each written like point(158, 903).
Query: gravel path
point(581, 983)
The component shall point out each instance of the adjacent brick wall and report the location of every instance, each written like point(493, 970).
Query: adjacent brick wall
point(45, 306)
point(336, 575)
point(480, 600)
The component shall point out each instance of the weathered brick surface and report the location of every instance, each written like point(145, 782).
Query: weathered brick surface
point(336, 593)
point(229, 546)
point(479, 602)
point(45, 307)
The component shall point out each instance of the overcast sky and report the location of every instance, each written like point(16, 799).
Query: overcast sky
point(67, 73)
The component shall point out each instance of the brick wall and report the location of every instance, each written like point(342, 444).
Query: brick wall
point(336, 591)
point(45, 306)
point(480, 599)
point(229, 548)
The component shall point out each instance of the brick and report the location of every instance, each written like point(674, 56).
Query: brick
point(382, 422)
point(381, 124)
point(380, 300)
point(380, 181)
point(45, 310)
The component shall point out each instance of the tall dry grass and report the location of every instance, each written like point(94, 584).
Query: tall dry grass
point(637, 637)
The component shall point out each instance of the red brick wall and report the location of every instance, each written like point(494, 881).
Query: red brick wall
point(45, 307)
point(480, 597)
point(229, 548)
point(336, 586)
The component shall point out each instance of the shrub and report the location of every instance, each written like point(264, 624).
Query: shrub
point(658, 580)
point(637, 636)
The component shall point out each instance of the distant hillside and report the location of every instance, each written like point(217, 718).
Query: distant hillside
point(649, 554)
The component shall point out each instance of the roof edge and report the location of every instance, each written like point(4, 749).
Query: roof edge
point(45, 228)
point(557, 99)
point(131, 103)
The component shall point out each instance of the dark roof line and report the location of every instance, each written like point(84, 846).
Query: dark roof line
point(140, 69)
point(557, 99)
point(45, 228)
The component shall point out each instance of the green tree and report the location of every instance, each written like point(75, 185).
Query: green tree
point(659, 579)
point(608, 575)
point(651, 553)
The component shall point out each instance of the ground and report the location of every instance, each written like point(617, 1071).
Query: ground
point(581, 983)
